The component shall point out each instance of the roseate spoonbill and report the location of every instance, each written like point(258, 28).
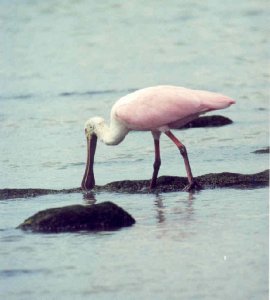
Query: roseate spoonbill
point(157, 109)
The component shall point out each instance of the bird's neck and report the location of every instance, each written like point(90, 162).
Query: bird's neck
point(111, 135)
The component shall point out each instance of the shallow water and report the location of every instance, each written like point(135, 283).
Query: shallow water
point(61, 63)
point(213, 245)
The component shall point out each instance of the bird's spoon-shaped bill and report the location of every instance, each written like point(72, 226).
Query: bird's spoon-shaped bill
point(88, 181)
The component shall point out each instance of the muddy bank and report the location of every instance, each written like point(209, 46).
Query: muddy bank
point(208, 121)
point(96, 217)
point(164, 184)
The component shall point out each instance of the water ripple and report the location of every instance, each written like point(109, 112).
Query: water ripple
point(18, 272)
point(68, 94)
point(96, 92)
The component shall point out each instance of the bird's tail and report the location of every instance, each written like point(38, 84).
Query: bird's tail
point(213, 101)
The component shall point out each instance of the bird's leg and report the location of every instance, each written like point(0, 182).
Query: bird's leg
point(192, 184)
point(157, 162)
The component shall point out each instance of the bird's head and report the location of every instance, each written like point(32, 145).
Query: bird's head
point(91, 126)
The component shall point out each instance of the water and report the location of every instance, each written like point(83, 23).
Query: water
point(61, 63)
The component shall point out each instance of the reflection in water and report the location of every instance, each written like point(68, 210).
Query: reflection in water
point(189, 207)
point(160, 208)
point(187, 212)
point(89, 198)
point(175, 218)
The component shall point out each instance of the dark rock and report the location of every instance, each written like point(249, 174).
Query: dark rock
point(164, 184)
point(174, 183)
point(208, 121)
point(31, 192)
point(102, 216)
point(24, 193)
point(235, 180)
point(262, 151)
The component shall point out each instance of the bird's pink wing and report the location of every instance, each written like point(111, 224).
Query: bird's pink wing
point(154, 107)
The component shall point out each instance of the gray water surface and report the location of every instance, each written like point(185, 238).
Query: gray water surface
point(63, 62)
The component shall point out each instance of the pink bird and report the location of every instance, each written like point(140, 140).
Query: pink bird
point(157, 109)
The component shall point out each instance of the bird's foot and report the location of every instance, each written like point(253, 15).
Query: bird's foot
point(193, 186)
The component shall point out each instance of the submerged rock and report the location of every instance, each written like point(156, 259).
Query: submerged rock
point(164, 184)
point(262, 151)
point(96, 217)
point(208, 121)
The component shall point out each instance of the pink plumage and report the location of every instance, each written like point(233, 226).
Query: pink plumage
point(157, 109)
point(172, 106)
